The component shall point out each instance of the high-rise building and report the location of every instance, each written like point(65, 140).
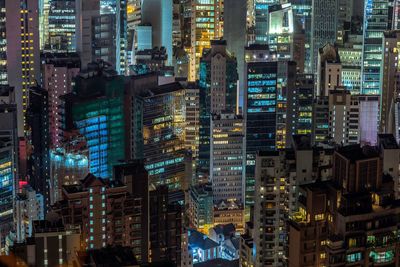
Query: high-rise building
point(235, 34)
point(58, 72)
point(376, 21)
point(260, 102)
point(218, 91)
point(350, 55)
point(206, 25)
point(329, 70)
point(201, 207)
point(192, 119)
point(39, 143)
point(61, 26)
point(302, 13)
point(8, 160)
point(105, 209)
point(96, 109)
point(227, 161)
point(346, 119)
point(270, 209)
point(166, 235)
point(299, 107)
point(162, 144)
point(284, 37)
point(324, 25)
point(23, 53)
point(87, 10)
point(390, 79)
point(261, 8)
point(159, 14)
point(3, 45)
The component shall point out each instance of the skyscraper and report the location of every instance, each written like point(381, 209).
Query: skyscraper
point(8, 160)
point(96, 109)
point(262, 19)
point(23, 53)
point(376, 21)
point(218, 91)
point(37, 118)
point(206, 25)
point(62, 21)
point(58, 72)
point(324, 25)
point(260, 103)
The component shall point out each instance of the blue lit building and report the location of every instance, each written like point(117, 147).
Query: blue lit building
point(376, 21)
point(260, 105)
point(96, 109)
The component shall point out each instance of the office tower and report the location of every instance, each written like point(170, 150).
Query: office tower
point(299, 107)
point(177, 26)
point(302, 13)
point(331, 234)
point(134, 175)
point(206, 25)
point(96, 109)
point(284, 36)
point(159, 14)
point(324, 25)
point(390, 76)
point(227, 161)
point(329, 70)
point(165, 235)
point(58, 72)
point(69, 162)
point(61, 27)
point(262, 19)
point(162, 143)
point(235, 31)
point(350, 55)
point(375, 23)
point(134, 13)
point(87, 10)
point(28, 208)
point(23, 59)
point(39, 142)
point(192, 129)
point(8, 160)
point(201, 207)
point(218, 91)
point(269, 209)
point(259, 107)
point(52, 244)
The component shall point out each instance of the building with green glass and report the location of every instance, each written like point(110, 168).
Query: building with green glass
point(96, 109)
